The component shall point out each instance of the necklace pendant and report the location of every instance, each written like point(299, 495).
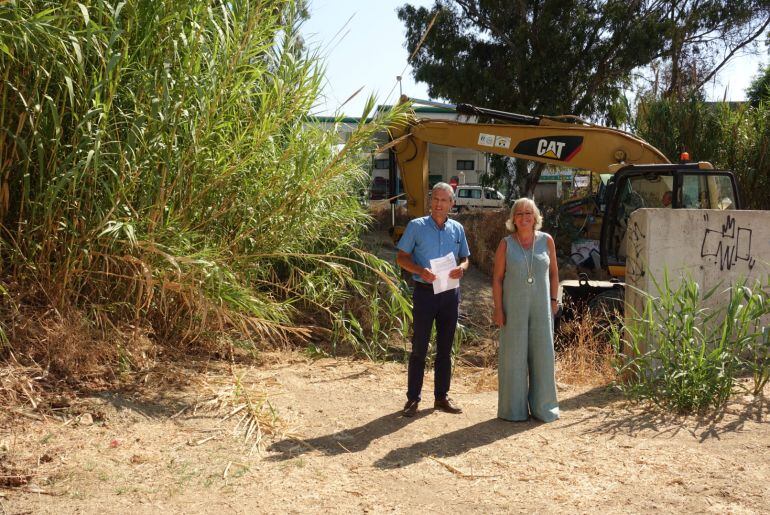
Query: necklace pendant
point(530, 280)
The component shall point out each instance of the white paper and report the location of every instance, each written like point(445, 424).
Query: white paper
point(441, 268)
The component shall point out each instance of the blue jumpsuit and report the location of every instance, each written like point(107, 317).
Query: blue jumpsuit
point(526, 382)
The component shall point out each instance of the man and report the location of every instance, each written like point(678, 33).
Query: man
point(667, 198)
point(424, 239)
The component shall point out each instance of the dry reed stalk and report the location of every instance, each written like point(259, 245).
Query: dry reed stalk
point(66, 343)
point(484, 229)
point(22, 387)
point(458, 472)
point(256, 418)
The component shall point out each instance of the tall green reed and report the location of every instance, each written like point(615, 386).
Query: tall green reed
point(685, 356)
point(158, 166)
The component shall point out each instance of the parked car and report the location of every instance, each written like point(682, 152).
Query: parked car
point(471, 197)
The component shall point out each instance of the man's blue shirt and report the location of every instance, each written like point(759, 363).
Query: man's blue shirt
point(425, 241)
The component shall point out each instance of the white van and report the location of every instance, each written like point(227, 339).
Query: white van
point(472, 197)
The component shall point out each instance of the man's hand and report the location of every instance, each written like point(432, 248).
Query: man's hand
point(427, 275)
point(457, 273)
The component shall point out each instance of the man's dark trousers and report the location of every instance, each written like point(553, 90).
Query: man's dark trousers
point(427, 308)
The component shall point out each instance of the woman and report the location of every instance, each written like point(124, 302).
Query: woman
point(525, 285)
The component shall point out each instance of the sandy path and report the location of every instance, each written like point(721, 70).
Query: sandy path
point(354, 454)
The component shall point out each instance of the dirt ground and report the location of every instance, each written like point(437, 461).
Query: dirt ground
point(346, 449)
point(333, 441)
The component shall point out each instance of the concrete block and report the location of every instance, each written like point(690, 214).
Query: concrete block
point(713, 247)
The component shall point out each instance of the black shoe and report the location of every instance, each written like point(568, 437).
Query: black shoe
point(447, 405)
point(410, 408)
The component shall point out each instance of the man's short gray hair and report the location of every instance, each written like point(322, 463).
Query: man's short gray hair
point(446, 187)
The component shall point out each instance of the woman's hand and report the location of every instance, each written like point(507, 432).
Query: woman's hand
point(499, 318)
point(554, 306)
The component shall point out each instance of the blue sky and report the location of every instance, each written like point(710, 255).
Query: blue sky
point(362, 44)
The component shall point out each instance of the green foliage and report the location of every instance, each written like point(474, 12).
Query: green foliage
point(730, 136)
point(759, 361)
point(369, 333)
point(540, 57)
point(686, 357)
point(158, 166)
point(697, 34)
point(462, 335)
point(759, 89)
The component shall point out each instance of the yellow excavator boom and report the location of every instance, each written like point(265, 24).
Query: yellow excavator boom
point(551, 140)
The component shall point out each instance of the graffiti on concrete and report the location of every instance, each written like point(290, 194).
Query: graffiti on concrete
point(634, 247)
point(727, 245)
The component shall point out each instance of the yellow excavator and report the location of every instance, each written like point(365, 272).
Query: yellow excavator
point(641, 175)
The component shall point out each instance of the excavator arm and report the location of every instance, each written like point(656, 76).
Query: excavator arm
point(550, 140)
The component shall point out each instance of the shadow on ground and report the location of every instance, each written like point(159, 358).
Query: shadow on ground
point(164, 391)
point(346, 441)
point(454, 443)
point(359, 438)
point(610, 414)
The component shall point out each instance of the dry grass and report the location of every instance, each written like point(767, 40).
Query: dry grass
point(68, 344)
point(481, 379)
point(585, 354)
point(484, 230)
point(380, 212)
point(59, 347)
point(20, 387)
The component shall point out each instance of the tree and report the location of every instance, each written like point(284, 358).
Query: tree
point(703, 36)
point(759, 89)
point(553, 56)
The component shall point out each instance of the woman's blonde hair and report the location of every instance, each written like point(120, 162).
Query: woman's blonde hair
point(524, 202)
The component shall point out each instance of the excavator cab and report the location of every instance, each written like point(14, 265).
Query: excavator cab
point(673, 186)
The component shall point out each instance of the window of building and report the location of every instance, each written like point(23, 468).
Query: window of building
point(466, 164)
point(381, 138)
point(381, 164)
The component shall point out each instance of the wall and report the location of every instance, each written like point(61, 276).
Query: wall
point(711, 246)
